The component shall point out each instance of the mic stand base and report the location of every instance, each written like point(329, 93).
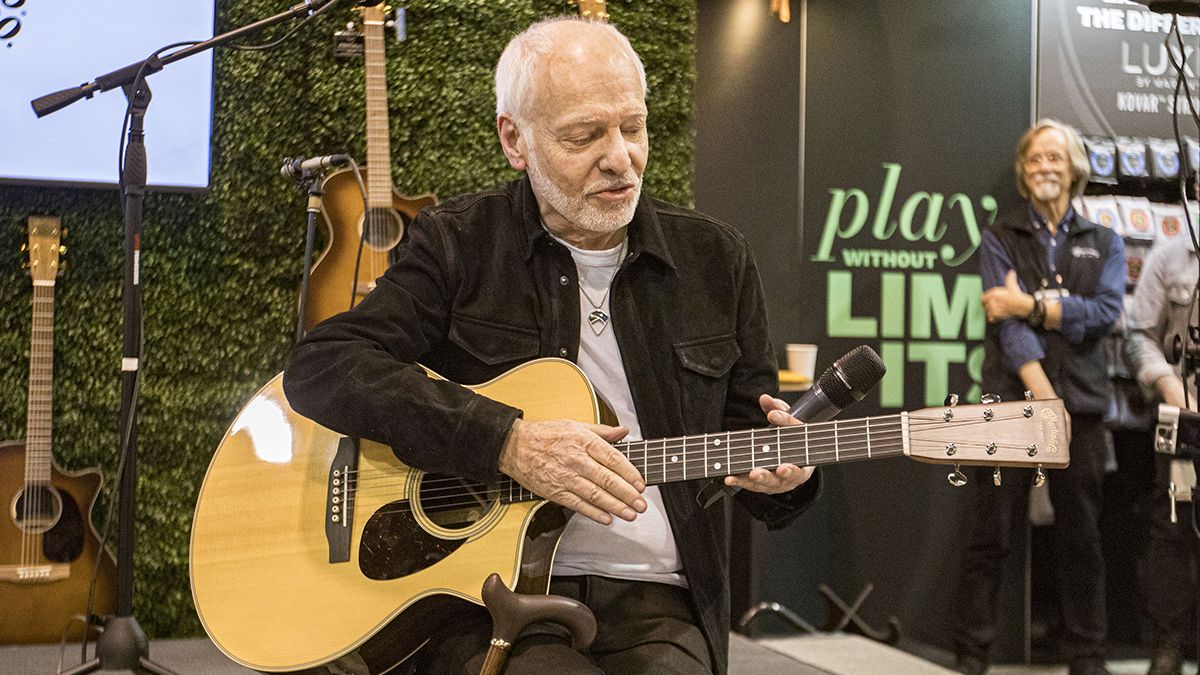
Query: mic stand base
point(122, 646)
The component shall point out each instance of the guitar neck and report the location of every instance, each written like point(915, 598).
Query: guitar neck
point(41, 377)
point(720, 454)
point(379, 179)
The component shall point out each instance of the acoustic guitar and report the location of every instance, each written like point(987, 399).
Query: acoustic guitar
point(309, 547)
point(48, 546)
point(339, 279)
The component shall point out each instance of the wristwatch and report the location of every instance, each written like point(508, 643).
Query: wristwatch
point(1038, 314)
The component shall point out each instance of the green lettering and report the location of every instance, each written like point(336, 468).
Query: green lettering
point(887, 195)
point(937, 357)
point(891, 388)
point(838, 319)
point(933, 212)
point(892, 304)
point(833, 220)
point(963, 313)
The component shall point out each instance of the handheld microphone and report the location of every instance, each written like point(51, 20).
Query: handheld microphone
point(843, 383)
point(299, 165)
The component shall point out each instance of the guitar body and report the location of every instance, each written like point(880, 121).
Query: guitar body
point(261, 575)
point(332, 279)
point(57, 563)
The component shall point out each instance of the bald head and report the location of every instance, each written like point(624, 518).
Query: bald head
point(533, 58)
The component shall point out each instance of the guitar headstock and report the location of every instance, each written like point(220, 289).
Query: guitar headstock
point(1017, 433)
point(376, 13)
point(592, 9)
point(44, 248)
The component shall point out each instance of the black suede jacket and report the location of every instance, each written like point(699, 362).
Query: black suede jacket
point(480, 287)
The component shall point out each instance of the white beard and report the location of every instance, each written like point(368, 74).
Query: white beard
point(1047, 191)
point(576, 209)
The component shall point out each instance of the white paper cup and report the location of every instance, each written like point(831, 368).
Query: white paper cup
point(802, 359)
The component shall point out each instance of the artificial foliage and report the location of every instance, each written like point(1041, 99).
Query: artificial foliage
point(220, 269)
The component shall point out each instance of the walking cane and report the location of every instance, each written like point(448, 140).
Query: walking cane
point(512, 612)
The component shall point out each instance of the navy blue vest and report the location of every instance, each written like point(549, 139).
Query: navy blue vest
point(1078, 372)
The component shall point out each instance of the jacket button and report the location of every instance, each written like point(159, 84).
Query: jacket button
point(564, 280)
point(562, 351)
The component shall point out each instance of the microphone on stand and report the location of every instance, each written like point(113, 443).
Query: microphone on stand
point(299, 165)
point(846, 381)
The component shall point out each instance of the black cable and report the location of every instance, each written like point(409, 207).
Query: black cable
point(363, 238)
point(286, 36)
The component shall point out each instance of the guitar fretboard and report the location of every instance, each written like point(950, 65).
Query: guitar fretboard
point(379, 178)
point(41, 378)
point(715, 455)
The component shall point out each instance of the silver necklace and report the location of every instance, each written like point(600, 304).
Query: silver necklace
point(598, 318)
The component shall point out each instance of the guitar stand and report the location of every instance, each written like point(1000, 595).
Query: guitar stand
point(851, 622)
point(512, 612)
point(773, 609)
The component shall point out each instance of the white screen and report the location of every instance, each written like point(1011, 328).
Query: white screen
point(59, 44)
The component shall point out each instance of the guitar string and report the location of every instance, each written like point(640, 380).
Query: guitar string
point(694, 464)
point(794, 440)
point(496, 495)
point(880, 450)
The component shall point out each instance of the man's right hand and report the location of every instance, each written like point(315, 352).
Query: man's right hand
point(575, 465)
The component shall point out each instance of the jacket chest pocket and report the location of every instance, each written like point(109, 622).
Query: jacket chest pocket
point(704, 366)
point(493, 343)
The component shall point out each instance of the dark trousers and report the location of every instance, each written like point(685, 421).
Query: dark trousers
point(641, 628)
point(1001, 512)
point(1168, 569)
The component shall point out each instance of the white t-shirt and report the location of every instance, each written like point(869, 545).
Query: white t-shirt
point(643, 550)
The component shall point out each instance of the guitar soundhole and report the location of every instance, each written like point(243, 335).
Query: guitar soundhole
point(397, 542)
point(36, 508)
point(383, 227)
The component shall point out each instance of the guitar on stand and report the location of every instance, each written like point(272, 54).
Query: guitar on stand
point(48, 547)
point(341, 277)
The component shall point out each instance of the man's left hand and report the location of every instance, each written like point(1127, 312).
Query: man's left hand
point(785, 477)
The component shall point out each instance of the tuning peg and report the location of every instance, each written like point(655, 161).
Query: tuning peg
point(951, 400)
point(62, 250)
point(956, 477)
point(1028, 395)
point(1039, 477)
point(24, 247)
point(996, 476)
point(989, 399)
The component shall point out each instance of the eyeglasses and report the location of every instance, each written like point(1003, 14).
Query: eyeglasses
point(1052, 159)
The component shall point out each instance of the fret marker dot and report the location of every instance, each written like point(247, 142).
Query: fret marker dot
point(717, 442)
point(766, 448)
point(717, 465)
point(674, 458)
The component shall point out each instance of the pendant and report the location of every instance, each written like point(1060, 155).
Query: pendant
point(598, 320)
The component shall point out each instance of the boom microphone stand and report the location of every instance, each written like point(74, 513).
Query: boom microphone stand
point(123, 644)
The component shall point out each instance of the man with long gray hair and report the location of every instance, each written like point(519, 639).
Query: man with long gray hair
point(1054, 285)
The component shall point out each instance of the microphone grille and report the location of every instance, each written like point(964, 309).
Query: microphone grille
point(862, 369)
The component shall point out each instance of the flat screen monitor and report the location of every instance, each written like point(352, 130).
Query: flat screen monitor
point(51, 45)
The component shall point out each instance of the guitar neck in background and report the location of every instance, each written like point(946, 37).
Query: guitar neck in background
point(379, 178)
point(44, 243)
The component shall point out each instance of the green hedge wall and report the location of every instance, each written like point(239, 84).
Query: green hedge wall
point(221, 269)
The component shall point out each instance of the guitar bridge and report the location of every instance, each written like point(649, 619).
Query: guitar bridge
point(34, 574)
point(339, 500)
